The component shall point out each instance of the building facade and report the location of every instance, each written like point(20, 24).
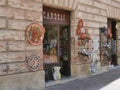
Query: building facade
point(80, 28)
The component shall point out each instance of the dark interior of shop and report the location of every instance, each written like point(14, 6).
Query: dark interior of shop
point(114, 48)
point(58, 52)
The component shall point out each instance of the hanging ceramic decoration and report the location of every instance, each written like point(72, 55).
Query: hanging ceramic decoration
point(33, 62)
point(85, 35)
point(79, 42)
point(118, 26)
point(35, 33)
point(80, 25)
point(109, 33)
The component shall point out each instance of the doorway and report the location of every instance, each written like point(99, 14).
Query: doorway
point(112, 24)
point(56, 43)
point(108, 47)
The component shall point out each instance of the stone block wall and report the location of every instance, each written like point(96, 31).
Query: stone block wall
point(15, 16)
point(118, 47)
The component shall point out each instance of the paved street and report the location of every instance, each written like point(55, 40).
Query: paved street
point(92, 83)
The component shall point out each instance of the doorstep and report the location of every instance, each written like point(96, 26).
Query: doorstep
point(61, 81)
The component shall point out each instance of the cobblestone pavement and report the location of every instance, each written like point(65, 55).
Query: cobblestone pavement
point(95, 82)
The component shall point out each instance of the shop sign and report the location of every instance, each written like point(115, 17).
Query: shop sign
point(55, 16)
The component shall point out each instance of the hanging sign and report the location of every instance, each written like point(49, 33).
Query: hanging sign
point(35, 33)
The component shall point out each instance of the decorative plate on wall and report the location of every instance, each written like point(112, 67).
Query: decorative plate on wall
point(35, 33)
point(33, 62)
point(79, 27)
point(118, 26)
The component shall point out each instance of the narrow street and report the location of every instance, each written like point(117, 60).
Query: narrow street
point(96, 82)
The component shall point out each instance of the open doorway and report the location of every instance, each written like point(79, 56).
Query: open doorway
point(56, 43)
point(108, 47)
point(112, 25)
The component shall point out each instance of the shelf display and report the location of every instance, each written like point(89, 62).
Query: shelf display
point(51, 52)
point(105, 47)
point(56, 44)
point(50, 46)
point(56, 48)
point(63, 44)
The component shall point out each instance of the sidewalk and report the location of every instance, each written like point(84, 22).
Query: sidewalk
point(96, 82)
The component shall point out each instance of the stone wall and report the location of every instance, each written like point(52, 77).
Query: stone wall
point(15, 16)
point(25, 81)
point(118, 46)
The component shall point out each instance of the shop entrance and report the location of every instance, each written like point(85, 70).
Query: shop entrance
point(108, 47)
point(56, 43)
point(112, 25)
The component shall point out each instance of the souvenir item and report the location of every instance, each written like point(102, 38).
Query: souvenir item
point(118, 26)
point(83, 36)
point(35, 33)
point(79, 42)
point(80, 25)
point(87, 34)
point(109, 33)
point(56, 73)
point(53, 58)
point(33, 62)
point(46, 59)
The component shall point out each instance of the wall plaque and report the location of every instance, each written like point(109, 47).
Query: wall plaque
point(80, 25)
point(33, 62)
point(55, 16)
point(35, 33)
